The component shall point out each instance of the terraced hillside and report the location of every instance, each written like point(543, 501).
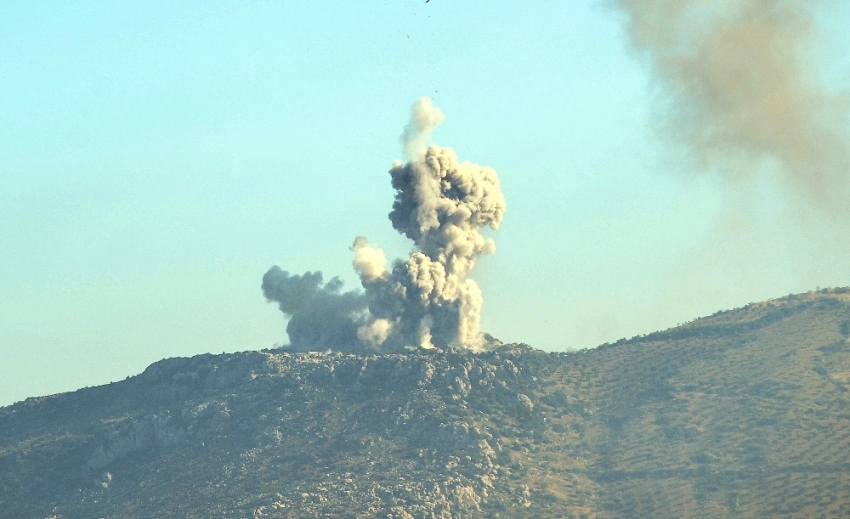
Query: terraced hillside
point(741, 414)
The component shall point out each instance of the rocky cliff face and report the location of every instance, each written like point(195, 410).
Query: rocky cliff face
point(741, 414)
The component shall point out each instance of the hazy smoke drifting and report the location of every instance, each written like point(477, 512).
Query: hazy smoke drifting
point(426, 300)
point(742, 91)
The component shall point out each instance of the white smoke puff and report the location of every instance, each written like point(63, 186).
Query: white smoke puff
point(369, 262)
point(743, 92)
point(376, 332)
point(424, 119)
point(469, 319)
point(425, 332)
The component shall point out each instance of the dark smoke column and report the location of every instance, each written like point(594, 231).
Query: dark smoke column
point(426, 300)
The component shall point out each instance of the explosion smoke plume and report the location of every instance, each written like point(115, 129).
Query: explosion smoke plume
point(742, 92)
point(427, 299)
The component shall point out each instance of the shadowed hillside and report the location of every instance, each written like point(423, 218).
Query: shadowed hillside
point(741, 414)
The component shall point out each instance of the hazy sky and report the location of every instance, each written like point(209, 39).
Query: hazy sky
point(156, 160)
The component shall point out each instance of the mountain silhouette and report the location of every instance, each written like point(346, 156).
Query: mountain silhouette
point(745, 413)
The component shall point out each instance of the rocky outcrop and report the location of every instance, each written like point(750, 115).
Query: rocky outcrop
point(252, 407)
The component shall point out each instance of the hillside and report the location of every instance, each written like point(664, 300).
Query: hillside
point(742, 414)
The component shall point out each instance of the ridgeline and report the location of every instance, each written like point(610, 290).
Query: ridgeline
point(745, 413)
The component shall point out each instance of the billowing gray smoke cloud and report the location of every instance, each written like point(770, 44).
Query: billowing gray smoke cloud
point(320, 315)
point(743, 93)
point(427, 299)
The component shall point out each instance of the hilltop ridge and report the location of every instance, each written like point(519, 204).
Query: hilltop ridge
point(739, 414)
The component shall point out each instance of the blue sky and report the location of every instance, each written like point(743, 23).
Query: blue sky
point(156, 159)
